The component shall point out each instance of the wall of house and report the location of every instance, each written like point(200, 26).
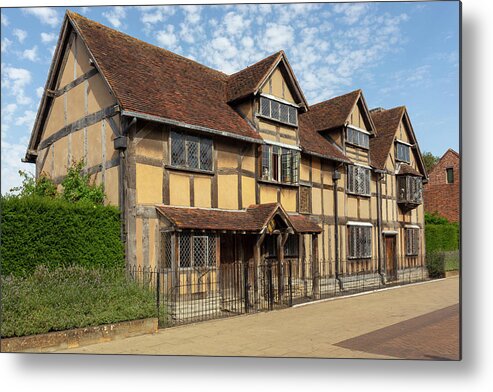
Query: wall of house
point(439, 196)
point(393, 217)
point(93, 143)
point(231, 185)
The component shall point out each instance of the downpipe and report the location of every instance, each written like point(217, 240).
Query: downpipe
point(335, 177)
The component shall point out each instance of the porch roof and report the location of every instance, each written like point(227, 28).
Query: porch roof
point(254, 219)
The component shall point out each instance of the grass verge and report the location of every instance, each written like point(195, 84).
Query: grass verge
point(71, 297)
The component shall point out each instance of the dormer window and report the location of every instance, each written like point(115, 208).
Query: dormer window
point(402, 152)
point(357, 137)
point(278, 111)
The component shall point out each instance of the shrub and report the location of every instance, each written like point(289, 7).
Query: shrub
point(77, 186)
point(54, 232)
point(71, 297)
point(435, 263)
point(42, 186)
point(442, 237)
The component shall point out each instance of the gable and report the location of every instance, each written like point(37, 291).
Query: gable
point(278, 86)
point(360, 118)
point(78, 89)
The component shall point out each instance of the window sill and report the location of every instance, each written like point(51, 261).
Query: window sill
point(283, 184)
point(190, 170)
point(357, 194)
point(356, 259)
point(276, 121)
point(357, 146)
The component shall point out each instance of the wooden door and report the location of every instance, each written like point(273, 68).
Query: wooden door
point(390, 257)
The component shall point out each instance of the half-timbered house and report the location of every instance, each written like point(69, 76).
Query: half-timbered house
point(223, 179)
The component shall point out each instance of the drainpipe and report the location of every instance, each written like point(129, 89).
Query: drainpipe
point(335, 177)
point(379, 223)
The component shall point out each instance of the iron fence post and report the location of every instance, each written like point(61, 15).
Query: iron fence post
point(245, 284)
point(290, 284)
point(158, 290)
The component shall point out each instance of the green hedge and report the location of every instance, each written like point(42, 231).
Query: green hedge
point(53, 232)
point(442, 237)
point(435, 263)
point(71, 297)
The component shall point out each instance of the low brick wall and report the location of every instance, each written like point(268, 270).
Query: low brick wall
point(73, 338)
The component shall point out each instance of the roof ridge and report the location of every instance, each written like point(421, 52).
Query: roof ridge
point(336, 97)
point(257, 62)
point(74, 15)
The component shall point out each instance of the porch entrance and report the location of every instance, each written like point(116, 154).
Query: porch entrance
point(390, 257)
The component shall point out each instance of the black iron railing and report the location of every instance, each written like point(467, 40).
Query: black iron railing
point(209, 292)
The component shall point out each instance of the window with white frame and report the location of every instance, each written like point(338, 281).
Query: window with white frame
point(196, 251)
point(358, 138)
point(359, 242)
point(278, 111)
point(402, 152)
point(412, 241)
point(280, 164)
point(358, 180)
point(191, 152)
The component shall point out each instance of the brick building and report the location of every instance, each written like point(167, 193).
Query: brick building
point(442, 192)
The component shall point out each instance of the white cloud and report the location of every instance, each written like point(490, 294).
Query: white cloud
point(14, 81)
point(151, 15)
point(40, 91)
point(20, 35)
point(235, 23)
point(26, 119)
point(167, 38)
point(5, 20)
point(192, 13)
point(115, 16)
point(277, 37)
point(351, 13)
point(6, 44)
point(12, 154)
point(84, 10)
point(46, 15)
point(30, 54)
point(48, 37)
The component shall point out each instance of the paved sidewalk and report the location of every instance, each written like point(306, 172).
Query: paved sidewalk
point(306, 331)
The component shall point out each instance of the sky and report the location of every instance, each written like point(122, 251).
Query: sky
point(400, 53)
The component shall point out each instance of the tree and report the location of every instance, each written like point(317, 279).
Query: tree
point(429, 160)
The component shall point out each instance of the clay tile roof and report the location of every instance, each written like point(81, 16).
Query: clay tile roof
point(151, 80)
point(386, 122)
point(247, 81)
point(253, 219)
point(313, 142)
point(331, 113)
point(409, 170)
point(302, 224)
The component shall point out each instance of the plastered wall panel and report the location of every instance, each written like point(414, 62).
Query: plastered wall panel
point(248, 191)
point(99, 96)
point(94, 150)
point(179, 186)
point(202, 191)
point(149, 183)
point(268, 194)
point(228, 194)
point(288, 199)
